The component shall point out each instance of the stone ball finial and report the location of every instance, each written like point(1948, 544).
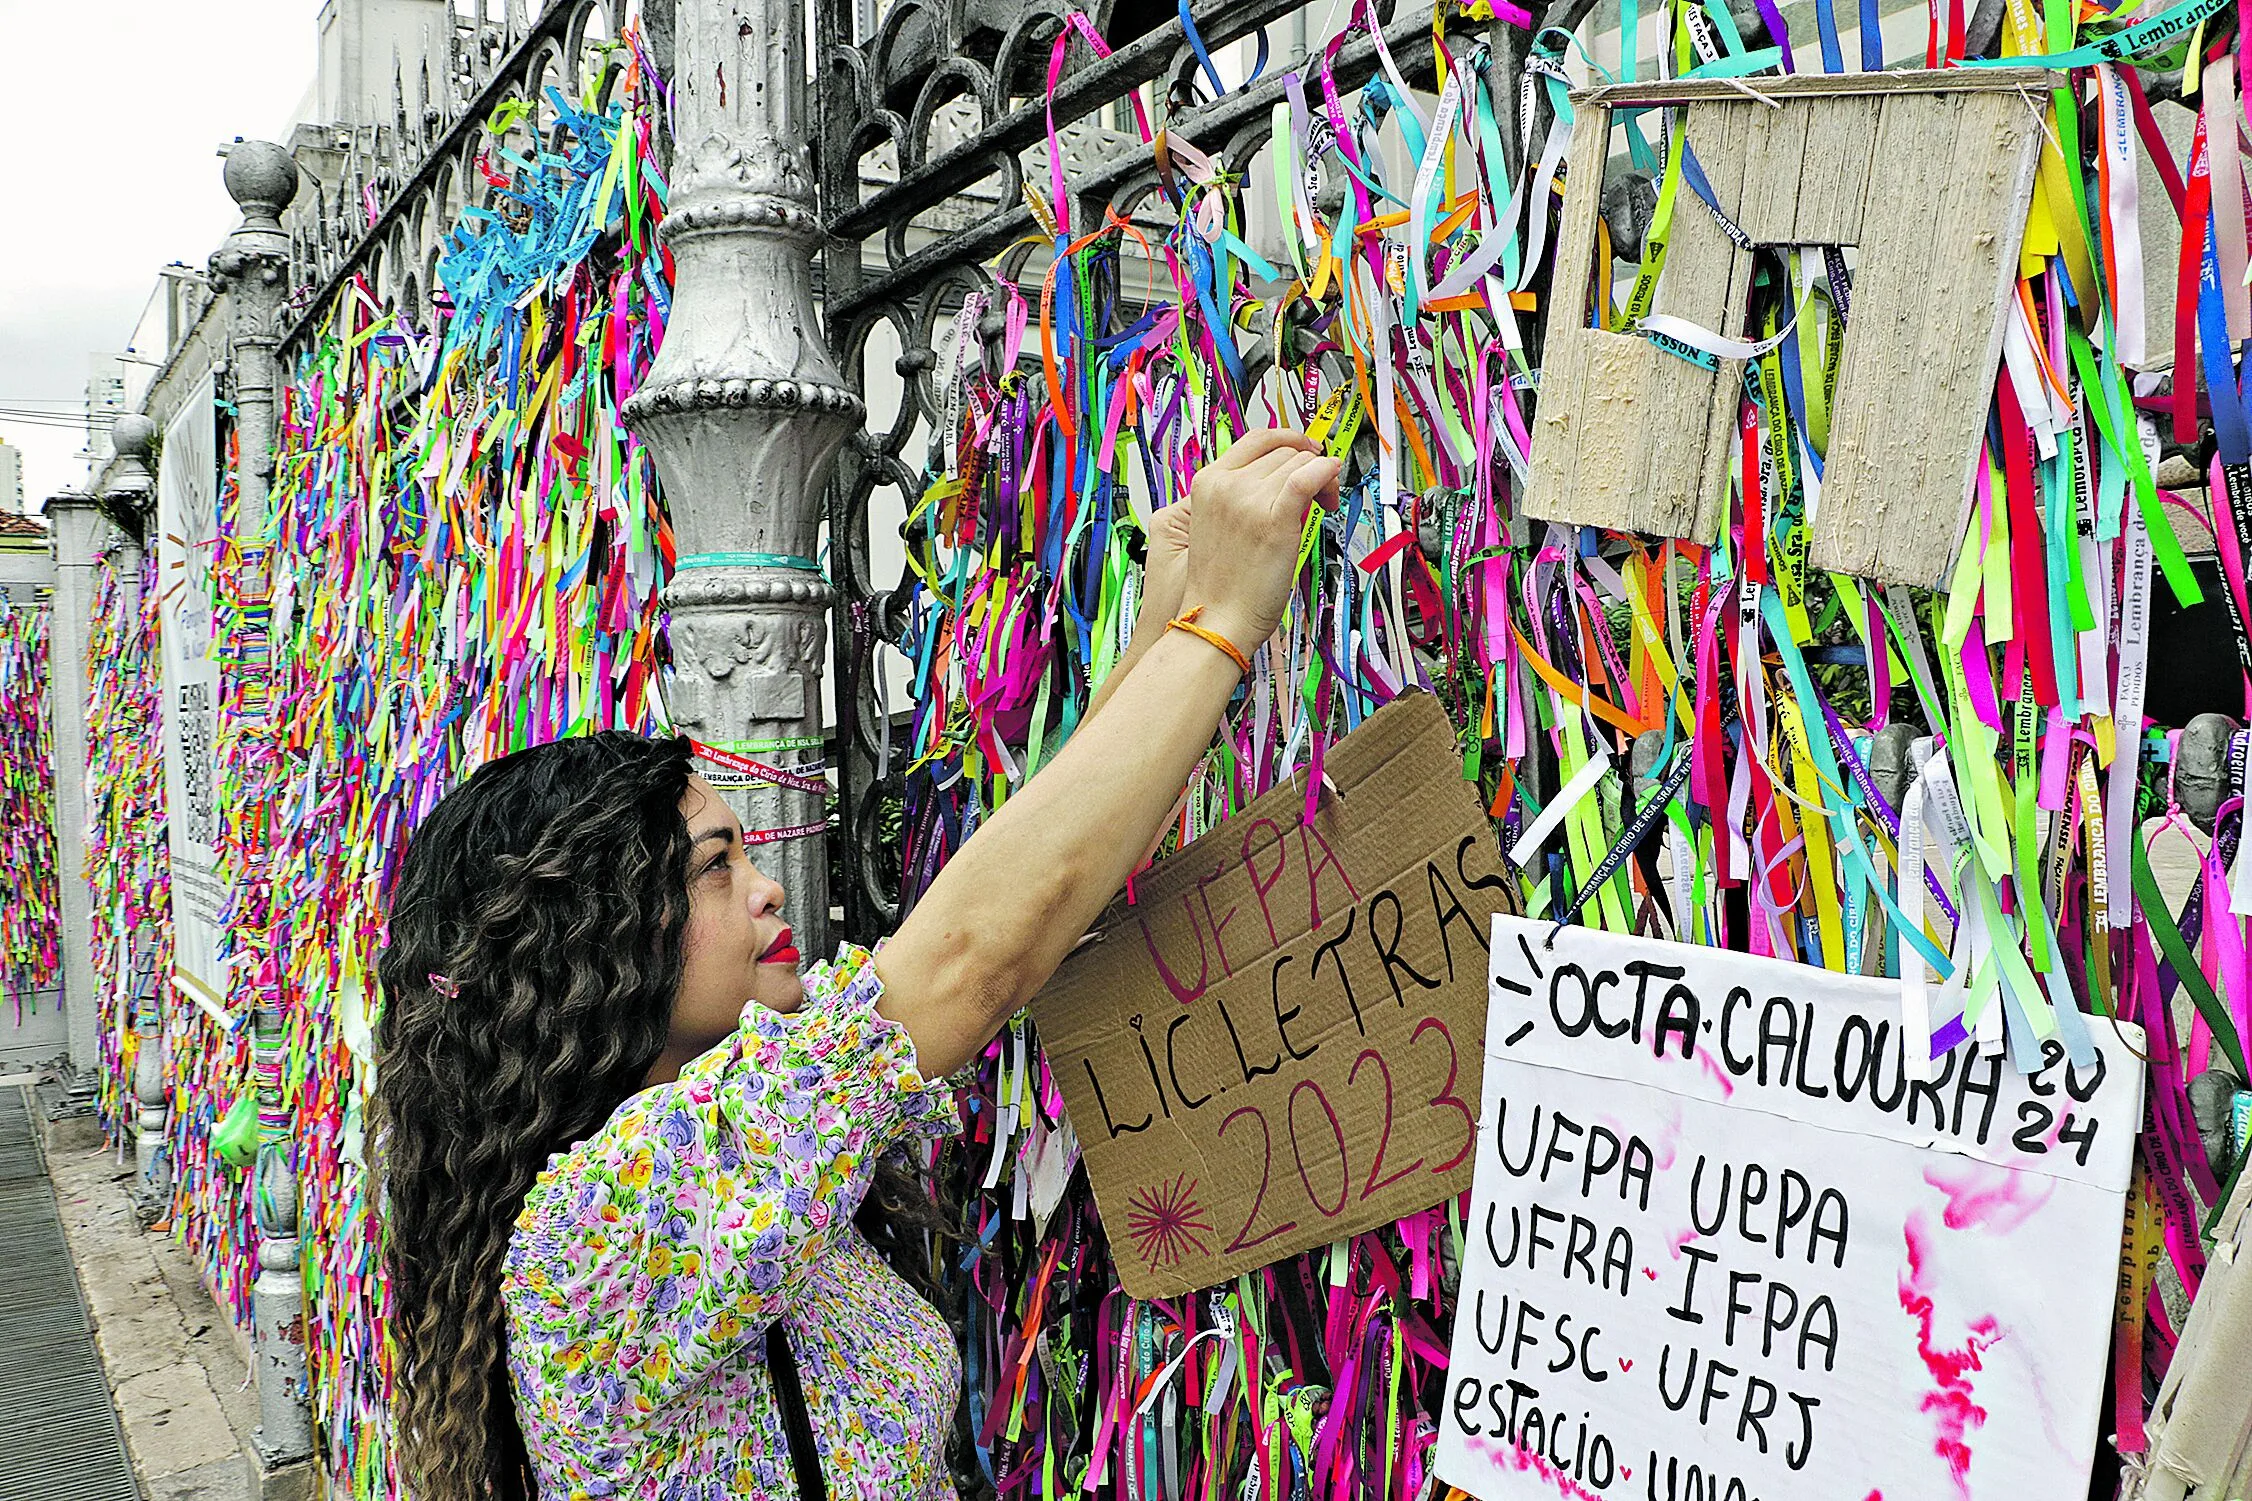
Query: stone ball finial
point(261, 177)
point(129, 489)
point(131, 434)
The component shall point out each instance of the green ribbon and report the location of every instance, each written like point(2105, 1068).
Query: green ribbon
point(745, 560)
point(2169, 939)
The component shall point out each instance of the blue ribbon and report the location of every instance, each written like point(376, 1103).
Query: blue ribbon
point(2231, 435)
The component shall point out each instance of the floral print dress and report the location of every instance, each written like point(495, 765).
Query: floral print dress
point(651, 1257)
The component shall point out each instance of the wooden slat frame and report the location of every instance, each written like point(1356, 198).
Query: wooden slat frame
point(1632, 438)
point(1659, 91)
point(1905, 432)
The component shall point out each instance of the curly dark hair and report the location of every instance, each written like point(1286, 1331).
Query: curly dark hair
point(533, 955)
point(528, 974)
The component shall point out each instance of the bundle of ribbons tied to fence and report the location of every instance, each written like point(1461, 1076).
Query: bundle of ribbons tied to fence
point(1704, 738)
point(468, 551)
point(129, 871)
point(30, 920)
point(125, 819)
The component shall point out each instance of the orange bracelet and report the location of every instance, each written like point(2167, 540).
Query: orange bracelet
point(1188, 623)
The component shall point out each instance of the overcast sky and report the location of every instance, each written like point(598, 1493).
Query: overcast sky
point(113, 112)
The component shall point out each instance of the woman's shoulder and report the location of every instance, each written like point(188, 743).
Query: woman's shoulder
point(593, 1177)
point(587, 1180)
point(609, 1201)
point(785, 1055)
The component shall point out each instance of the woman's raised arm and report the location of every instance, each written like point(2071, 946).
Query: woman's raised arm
point(1015, 899)
point(1162, 582)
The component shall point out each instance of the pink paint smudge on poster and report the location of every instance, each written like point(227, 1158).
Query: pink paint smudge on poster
point(1950, 1403)
point(1663, 1139)
point(1615, 1126)
point(1981, 1196)
point(1679, 1239)
point(1719, 1074)
point(1515, 1456)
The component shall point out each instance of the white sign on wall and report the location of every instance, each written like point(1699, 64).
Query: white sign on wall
point(1721, 1248)
point(186, 527)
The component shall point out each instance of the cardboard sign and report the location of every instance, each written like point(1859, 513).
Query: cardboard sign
point(1277, 1043)
point(1720, 1247)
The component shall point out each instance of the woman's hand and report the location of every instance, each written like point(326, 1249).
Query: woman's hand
point(1250, 511)
point(1166, 573)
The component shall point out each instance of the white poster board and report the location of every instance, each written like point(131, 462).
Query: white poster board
point(1720, 1249)
point(187, 524)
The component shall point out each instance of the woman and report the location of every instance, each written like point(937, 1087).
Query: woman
point(623, 1142)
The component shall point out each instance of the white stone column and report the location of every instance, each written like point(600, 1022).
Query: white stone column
point(75, 527)
point(744, 411)
point(251, 269)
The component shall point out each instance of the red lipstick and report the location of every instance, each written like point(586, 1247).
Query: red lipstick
point(783, 950)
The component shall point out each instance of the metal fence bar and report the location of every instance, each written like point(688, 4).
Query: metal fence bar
point(1080, 94)
point(1222, 118)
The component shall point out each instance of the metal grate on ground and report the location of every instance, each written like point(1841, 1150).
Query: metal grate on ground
point(59, 1437)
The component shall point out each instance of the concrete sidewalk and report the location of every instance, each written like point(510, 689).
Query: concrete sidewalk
point(176, 1370)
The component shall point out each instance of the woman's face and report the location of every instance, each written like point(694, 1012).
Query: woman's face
point(738, 948)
